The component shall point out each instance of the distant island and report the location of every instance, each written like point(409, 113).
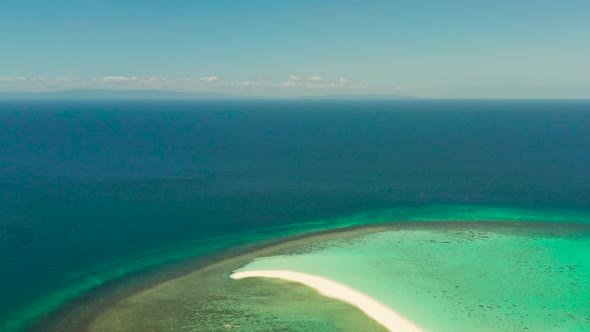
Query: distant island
point(95, 94)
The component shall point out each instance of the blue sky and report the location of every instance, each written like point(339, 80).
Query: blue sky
point(449, 49)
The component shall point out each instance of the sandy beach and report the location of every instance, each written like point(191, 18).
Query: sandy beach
point(390, 319)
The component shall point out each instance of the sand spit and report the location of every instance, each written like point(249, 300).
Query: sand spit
point(390, 319)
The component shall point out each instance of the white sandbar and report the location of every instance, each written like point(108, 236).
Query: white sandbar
point(390, 319)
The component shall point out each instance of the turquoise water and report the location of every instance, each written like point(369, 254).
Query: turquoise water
point(91, 191)
point(463, 276)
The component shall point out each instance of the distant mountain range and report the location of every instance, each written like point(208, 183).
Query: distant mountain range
point(158, 95)
point(368, 96)
point(112, 94)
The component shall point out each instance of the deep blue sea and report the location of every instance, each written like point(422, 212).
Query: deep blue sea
point(85, 185)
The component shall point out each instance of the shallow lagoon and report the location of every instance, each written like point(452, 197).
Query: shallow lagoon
point(463, 276)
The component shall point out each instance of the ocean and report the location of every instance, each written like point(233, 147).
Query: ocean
point(91, 191)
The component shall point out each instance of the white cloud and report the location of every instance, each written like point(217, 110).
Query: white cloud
point(132, 81)
point(115, 79)
point(319, 82)
point(210, 79)
point(291, 85)
point(12, 78)
point(241, 83)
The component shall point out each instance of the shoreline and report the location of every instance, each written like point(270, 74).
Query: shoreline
point(383, 315)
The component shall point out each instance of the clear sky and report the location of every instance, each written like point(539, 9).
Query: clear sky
point(427, 48)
